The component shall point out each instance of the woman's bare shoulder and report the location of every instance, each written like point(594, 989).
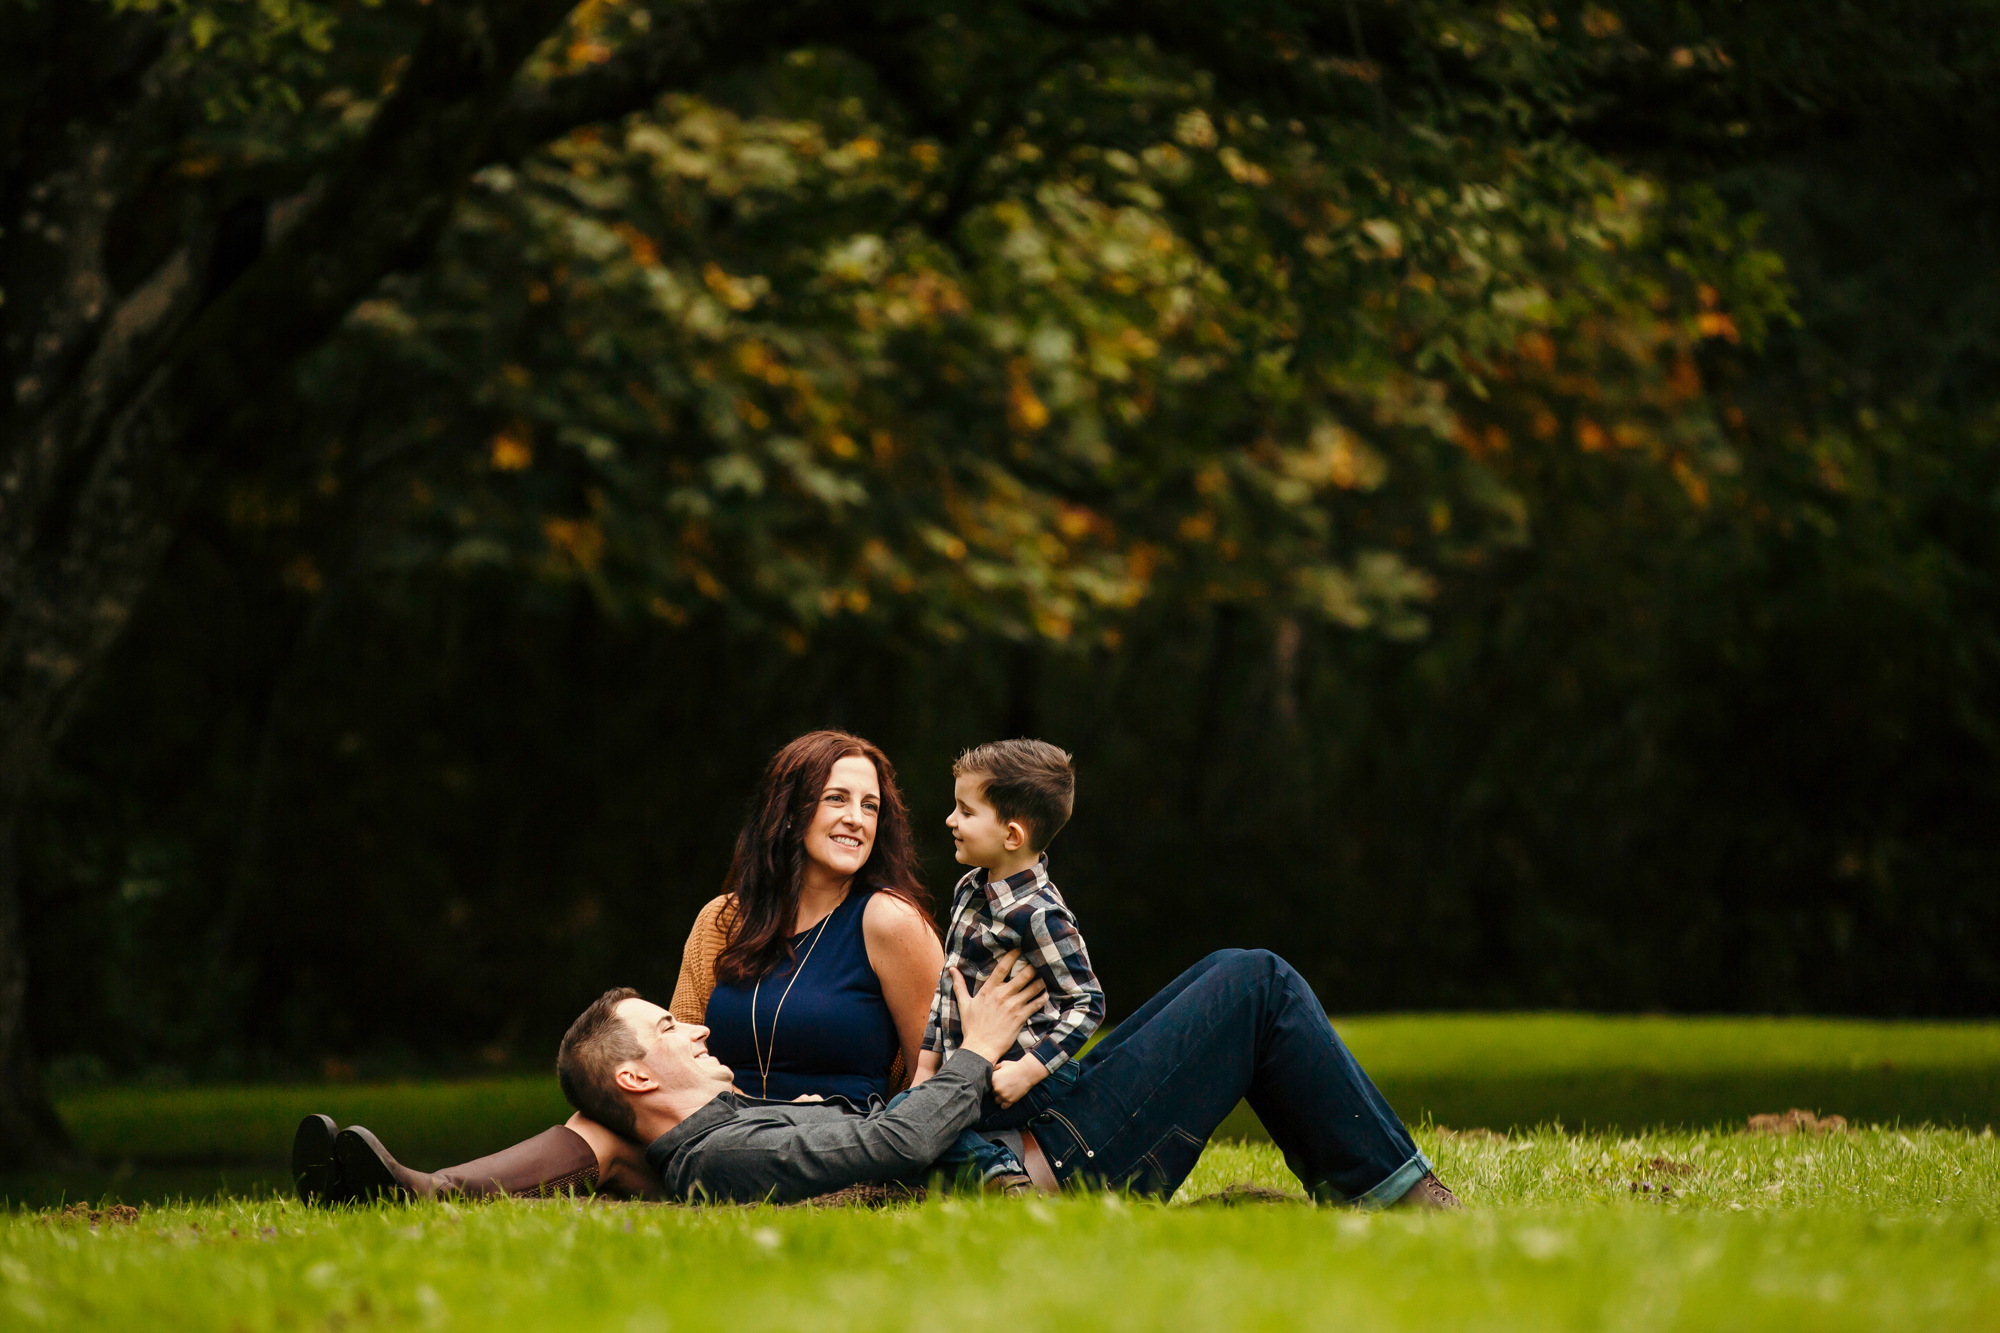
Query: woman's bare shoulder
point(889, 918)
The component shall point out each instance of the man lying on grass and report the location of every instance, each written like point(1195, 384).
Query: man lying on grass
point(1239, 1024)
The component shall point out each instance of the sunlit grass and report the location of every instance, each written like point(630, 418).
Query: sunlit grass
point(1635, 1072)
point(1881, 1229)
point(1881, 1171)
point(1888, 1227)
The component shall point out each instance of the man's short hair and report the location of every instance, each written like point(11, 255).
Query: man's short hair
point(588, 1059)
point(1032, 782)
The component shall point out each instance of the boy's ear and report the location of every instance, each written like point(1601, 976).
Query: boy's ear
point(1017, 836)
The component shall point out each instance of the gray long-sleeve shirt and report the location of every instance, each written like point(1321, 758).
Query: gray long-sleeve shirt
point(745, 1150)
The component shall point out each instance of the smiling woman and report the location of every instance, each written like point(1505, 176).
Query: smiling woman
point(811, 975)
point(825, 980)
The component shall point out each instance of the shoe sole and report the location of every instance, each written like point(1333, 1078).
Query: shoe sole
point(315, 1168)
point(364, 1166)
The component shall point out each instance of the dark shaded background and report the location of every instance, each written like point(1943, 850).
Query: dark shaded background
point(425, 821)
point(1739, 760)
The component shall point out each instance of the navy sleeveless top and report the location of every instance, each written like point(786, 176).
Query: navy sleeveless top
point(835, 1036)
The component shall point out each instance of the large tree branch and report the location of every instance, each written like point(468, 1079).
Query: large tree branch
point(135, 429)
point(379, 212)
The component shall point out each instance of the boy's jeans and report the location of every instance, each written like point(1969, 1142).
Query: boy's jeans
point(980, 1158)
point(1238, 1024)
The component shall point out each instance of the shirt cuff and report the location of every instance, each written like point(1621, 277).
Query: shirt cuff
point(981, 1071)
point(1052, 1056)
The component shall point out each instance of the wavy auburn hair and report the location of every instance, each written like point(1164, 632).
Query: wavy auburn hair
point(769, 867)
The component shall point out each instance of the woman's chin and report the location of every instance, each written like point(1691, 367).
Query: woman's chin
point(843, 860)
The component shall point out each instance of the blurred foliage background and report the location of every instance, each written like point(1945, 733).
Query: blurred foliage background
point(1500, 500)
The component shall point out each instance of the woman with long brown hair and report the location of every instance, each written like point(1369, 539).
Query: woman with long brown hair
point(812, 971)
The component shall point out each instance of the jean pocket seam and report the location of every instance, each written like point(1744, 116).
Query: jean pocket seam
point(1174, 1137)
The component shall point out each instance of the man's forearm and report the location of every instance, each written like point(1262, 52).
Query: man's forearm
point(787, 1162)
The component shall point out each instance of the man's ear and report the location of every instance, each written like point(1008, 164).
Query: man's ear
point(634, 1077)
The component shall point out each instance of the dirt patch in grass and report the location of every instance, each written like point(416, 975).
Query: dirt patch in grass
point(1795, 1121)
point(118, 1214)
point(1242, 1192)
point(865, 1196)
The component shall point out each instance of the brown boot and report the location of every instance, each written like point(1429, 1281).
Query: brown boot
point(315, 1171)
point(555, 1161)
point(1429, 1192)
point(370, 1173)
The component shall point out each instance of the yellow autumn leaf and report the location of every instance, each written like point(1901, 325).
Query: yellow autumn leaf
point(509, 452)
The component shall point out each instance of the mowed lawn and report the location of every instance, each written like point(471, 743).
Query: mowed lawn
point(1648, 1209)
point(1506, 1071)
point(1491, 1071)
point(1882, 1229)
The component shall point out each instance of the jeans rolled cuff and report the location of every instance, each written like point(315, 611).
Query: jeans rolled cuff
point(1397, 1184)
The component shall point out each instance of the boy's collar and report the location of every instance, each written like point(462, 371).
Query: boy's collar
point(1017, 885)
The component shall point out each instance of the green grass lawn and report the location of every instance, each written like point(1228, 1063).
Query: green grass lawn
point(1508, 1070)
point(1497, 1071)
point(1692, 1226)
point(1882, 1229)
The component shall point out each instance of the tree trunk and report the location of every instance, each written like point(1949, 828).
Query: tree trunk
point(31, 1133)
point(116, 406)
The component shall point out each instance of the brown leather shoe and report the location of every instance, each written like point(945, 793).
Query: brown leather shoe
point(315, 1169)
point(1428, 1192)
point(1008, 1184)
point(371, 1173)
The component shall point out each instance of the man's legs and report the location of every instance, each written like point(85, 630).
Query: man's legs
point(1143, 1015)
point(1238, 1024)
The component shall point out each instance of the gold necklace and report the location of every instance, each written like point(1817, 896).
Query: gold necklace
point(763, 1060)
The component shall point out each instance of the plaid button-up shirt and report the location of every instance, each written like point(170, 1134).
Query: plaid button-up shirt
point(1025, 912)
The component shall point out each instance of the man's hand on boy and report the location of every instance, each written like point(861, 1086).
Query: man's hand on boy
point(1012, 1080)
point(989, 1021)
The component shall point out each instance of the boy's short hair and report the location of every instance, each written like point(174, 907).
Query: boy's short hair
point(1032, 782)
point(587, 1062)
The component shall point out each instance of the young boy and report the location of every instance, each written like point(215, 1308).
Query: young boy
point(1011, 798)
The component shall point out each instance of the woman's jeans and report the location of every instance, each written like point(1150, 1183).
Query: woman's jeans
point(1240, 1024)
